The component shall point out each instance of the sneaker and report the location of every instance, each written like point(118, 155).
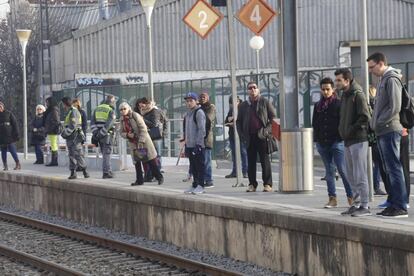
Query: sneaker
point(198, 190)
point(107, 175)
point(350, 210)
point(160, 180)
point(189, 190)
point(323, 178)
point(350, 200)
point(209, 185)
point(361, 212)
point(379, 192)
point(188, 179)
point(332, 203)
point(267, 188)
point(407, 206)
point(231, 176)
point(386, 210)
point(396, 213)
point(336, 176)
point(250, 189)
point(384, 205)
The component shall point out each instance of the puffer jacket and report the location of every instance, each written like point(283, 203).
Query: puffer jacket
point(8, 128)
point(354, 116)
point(38, 136)
point(51, 117)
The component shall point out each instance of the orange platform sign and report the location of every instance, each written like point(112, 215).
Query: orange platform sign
point(256, 15)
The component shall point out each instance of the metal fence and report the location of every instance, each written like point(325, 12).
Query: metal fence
point(169, 97)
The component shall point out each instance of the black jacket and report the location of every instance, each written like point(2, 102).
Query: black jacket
point(266, 113)
point(156, 118)
point(51, 120)
point(38, 136)
point(325, 124)
point(8, 128)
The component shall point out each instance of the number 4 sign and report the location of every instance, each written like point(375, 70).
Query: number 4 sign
point(202, 18)
point(255, 15)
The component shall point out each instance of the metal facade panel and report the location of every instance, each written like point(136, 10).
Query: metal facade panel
point(323, 25)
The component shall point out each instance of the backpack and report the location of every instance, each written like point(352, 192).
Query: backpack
point(407, 107)
point(208, 121)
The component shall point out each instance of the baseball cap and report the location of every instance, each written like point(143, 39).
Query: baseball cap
point(191, 95)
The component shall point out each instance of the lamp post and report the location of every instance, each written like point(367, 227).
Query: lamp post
point(257, 43)
point(23, 36)
point(148, 6)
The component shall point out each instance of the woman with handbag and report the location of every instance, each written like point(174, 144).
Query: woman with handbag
point(133, 129)
point(9, 136)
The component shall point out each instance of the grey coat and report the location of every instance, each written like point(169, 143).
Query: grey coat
point(386, 117)
point(141, 134)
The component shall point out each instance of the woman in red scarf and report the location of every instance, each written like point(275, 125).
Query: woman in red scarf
point(133, 129)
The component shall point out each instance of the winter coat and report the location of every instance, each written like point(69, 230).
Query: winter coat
point(210, 111)
point(354, 116)
point(38, 136)
point(141, 134)
point(386, 115)
point(264, 110)
point(155, 118)
point(325, 124)
point(51, 120)
point(8, 128)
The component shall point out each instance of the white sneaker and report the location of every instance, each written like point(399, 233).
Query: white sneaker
point(190, 190)
point(198, 190)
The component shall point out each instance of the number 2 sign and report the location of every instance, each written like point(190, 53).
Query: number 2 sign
point(255, 15)
point(202, 18)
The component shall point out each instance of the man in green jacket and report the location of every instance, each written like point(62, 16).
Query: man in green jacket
point(353, 128)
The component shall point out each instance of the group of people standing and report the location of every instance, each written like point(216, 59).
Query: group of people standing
point(342, 126)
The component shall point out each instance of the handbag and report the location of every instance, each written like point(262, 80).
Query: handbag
point(276, 129)
point(155, 133)
point(141, 154)
point(271, 145)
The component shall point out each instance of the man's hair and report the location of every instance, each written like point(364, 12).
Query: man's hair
point(345, 72)
point(251, 82)
point(110, 100)
point(67, 101)
point(327, 81)
point(377, 57)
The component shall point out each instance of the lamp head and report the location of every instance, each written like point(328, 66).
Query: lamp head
point(256, 42)
point(23, 35)
point(148, 6)
point(147, 3)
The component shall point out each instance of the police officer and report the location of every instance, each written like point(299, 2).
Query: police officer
point(74, 136)
point(102, 126)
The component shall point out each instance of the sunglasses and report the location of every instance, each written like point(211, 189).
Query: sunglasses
point(122, 109)
point(251, 87)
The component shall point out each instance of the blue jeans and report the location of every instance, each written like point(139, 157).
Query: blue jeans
point(389, 149)
point(334, 155)
point(208, 177)
point(243, 152)
point(39, 152)
point(12, 149)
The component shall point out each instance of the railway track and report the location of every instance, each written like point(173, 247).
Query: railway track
point(63, 251)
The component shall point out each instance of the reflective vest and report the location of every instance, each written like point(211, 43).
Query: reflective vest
point(102, 113)
point(67, 118)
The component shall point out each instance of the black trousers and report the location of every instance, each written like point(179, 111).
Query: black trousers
point(196, 166)
point(258, 146)
point(153, 167)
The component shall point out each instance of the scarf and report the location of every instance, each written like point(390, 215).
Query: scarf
point(324, 103)
point(128, 128)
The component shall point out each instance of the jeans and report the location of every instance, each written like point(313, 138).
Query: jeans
point(12, 149)
point(208, 177)
point(334, 155)
point(376, 160)
point(196, 166)
point(243, 152)
point(389, 149)
point(39, 152)
point(405, 162)
point(258, 146)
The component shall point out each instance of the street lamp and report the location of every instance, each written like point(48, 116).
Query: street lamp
point(257, 43)
point(148, 6)
point(23, 36)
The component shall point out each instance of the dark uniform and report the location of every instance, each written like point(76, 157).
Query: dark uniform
point(74, 136)
point(102, 126)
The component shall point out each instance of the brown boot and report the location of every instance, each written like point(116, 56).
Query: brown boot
point(332, 203)
point(18, 166)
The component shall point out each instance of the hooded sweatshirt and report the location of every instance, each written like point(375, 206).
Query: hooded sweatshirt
point(386, 117)
point(194, 133)
point(354, 116)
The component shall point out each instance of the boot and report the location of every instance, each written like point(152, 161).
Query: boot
point(85, 173)
point(72, 175)
point(5, 167)
point(41, 160)
point(54, 160)
point(138, 173)
point(18, 166)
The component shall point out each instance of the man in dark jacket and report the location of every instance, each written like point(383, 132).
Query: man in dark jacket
point(353, 128)
point(388, 129)
point(210, 111)
point(254, 124)
point(52, 127)
point(329, 143)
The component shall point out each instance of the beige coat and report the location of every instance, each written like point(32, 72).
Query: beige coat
point(141, 133)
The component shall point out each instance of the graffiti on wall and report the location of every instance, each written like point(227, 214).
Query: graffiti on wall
point(96, 81)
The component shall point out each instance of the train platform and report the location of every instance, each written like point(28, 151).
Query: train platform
point(285, 232)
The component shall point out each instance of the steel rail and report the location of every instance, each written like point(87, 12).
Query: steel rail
point(38, 262)
point(180, 262)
